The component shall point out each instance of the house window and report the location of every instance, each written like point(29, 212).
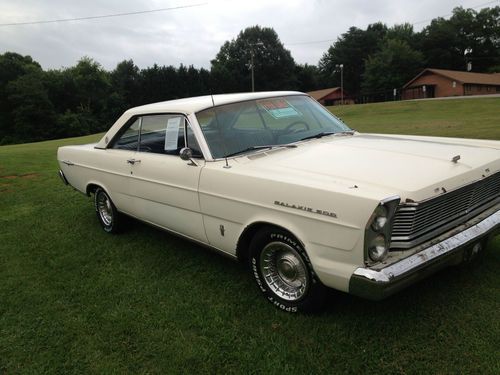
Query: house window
point(454, 84)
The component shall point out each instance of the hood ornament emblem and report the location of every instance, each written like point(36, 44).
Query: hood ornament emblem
point(455, 159)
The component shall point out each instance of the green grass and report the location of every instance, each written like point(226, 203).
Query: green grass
point(74, 299)
point(466, 118)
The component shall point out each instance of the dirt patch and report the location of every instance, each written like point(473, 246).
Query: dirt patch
point(28, 176)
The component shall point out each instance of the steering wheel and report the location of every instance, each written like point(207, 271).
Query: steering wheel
point(289, 128)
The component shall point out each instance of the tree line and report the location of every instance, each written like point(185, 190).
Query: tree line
point(37, 104)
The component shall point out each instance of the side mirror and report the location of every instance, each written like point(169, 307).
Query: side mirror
point(186, 153)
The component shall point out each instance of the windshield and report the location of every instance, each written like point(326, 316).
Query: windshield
point(234, 128)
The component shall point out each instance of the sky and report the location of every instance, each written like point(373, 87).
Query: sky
point(193, 35)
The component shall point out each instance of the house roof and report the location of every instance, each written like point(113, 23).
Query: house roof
point(320, 94)
point(460, 76)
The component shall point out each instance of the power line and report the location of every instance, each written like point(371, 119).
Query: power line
point(414, 23)
point(102, 16)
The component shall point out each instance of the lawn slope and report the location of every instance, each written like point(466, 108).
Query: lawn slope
point(76, 300)
point(467, 118)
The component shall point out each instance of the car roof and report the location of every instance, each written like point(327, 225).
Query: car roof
point(187, 106)
point(199, 103)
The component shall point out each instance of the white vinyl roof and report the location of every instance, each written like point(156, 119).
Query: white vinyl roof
point(196, 104)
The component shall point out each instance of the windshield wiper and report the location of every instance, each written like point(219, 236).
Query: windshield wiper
point(322, 134)
point(346, 132)
point(252, 148)
point(319, 135)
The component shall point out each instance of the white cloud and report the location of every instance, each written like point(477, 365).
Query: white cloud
point(192, 35)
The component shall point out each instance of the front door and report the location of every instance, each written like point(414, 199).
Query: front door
point(165, 187)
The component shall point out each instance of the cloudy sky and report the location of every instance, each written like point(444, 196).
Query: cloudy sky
point(194, 35)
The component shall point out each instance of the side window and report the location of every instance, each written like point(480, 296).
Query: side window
point(129, 140)
point(162, 134)
point(159, 134)
point(192, 143)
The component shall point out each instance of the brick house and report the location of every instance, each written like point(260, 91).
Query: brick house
point(331, 96)
point(435, 83)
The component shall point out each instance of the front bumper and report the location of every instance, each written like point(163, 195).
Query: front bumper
point(376, 284)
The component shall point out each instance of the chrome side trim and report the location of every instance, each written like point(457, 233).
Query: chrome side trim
point(419, 259)
point(63, 177)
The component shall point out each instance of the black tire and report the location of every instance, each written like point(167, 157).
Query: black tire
point(284, 273)
point(107, 214)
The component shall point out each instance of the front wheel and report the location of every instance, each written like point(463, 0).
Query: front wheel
point(107, 214)
point(284, 273)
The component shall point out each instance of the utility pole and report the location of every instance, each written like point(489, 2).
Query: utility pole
point(251, 66)
point(341, 67)
point(251, 61)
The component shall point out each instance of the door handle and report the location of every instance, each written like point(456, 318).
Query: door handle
point(133, 161)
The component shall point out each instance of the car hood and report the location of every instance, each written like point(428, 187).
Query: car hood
point(413, 167)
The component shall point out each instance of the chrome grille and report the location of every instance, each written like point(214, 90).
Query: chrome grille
point(415, 223)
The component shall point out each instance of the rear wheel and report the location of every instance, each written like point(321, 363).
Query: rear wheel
point(284, 273)
point(107, 214)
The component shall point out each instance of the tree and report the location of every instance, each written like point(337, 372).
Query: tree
point(351, 49)
point(274, 67)
point(125, 82)
point(12, 66)
point(391, 67)
point(403, 32)
point(468, 36)
point(33, 116)
point(92, 90)
point(486, 55)
point(308, 77)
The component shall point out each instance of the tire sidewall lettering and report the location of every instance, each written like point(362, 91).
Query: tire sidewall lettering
point(283, 305)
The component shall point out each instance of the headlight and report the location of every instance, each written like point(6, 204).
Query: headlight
point(378, 249)
point(378, 230)
point(380, 218)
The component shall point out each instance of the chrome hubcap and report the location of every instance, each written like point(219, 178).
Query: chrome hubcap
point(104, 209)
point(284, 271)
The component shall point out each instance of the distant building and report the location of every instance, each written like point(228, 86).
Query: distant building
point(435, 83)
point(331, 96)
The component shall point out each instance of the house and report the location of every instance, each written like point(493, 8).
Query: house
point(436, 83)
point(331, 96)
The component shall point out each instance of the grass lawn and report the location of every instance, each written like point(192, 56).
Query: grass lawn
point(75, 299)
point(464, 118)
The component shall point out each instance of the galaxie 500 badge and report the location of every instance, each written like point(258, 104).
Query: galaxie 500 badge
point(305, 208)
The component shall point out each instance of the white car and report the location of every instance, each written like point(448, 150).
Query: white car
point(275, 180)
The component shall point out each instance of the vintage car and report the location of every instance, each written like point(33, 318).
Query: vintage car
point(275, 180)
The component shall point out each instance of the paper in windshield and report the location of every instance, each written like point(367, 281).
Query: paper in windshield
point(172, 133)
point(278, 108)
